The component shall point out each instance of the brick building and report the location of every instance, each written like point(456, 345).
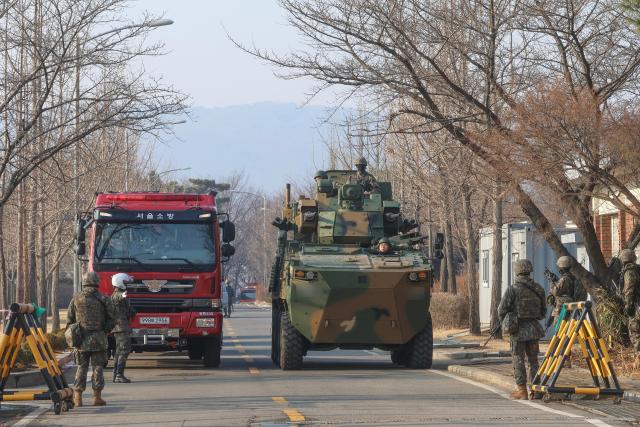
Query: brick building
point(612, 227)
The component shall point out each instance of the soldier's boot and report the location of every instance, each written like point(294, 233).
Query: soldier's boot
point(520, 393)
point(120, 378)
point(97, 398)
point(115, 367)
point(77, 398)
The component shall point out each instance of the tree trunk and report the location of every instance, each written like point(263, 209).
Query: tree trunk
point(444, 275)
point(32, 269)
point(3, 265)
point(20, 259)
point(496, 279)
point(42, 276)
point(451, 268)
point(472, 277)
point(544, 227)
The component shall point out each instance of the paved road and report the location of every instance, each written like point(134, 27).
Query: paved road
point(337, 388)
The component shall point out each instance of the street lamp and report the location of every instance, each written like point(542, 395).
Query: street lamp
point(264, 228)
point(76, 152)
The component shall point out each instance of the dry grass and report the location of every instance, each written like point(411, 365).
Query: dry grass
point(449, 311)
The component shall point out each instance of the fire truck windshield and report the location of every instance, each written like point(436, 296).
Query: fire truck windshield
point(164, 246)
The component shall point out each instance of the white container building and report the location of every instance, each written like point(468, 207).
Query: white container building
point(520, 240)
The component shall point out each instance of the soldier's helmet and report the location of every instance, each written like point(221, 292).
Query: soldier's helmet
point(91, 279)
point(523, 267)
point(627, 255)
point(120, 280)
point(384, 240)
point(564, 262)
point(320, 174)
point(361, 162)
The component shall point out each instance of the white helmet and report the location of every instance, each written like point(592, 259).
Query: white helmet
point(120, 280)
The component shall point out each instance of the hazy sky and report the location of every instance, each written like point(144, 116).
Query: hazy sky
point(204, 63)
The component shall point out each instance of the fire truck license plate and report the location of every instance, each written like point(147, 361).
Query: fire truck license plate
point(154, 320)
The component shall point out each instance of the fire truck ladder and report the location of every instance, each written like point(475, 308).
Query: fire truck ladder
point(577, 324)
point(23, 325)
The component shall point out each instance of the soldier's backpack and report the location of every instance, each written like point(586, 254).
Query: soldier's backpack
point(73, 335)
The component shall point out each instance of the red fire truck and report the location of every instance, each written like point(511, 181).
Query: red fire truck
point(172, 245)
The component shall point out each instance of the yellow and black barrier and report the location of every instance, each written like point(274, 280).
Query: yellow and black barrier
point(577, 326)
point(23, 325)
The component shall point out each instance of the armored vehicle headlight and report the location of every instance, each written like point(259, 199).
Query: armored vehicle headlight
point(305, 275)
point(416, 276)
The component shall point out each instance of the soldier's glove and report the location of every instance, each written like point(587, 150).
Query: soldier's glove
point(629, 310)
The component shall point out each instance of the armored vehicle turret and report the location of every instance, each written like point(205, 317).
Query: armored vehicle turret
point(350, 273)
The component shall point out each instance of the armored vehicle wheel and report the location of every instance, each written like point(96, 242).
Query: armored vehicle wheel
point(398, 356)
point(212, 347)
point(275, 334)
point(195, 350)
point(291, 344)
point(419, 351)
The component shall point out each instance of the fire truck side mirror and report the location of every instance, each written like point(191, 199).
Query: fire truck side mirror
point(80, 232)
point(227, 251)
point(228, 231)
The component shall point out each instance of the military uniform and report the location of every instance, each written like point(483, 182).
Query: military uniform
point(526, 300)
point(121, 332)
point(631, 279)
point(94, 312)
point(567, 289)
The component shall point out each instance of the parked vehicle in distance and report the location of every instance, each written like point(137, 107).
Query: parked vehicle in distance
point(248, 294)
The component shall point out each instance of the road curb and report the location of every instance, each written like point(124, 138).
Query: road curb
point(33, 377)
point(497, 380)
point(482, 376)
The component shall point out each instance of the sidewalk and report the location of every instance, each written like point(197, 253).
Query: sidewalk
point(500, 375)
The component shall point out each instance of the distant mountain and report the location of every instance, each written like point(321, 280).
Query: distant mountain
point(272, 143)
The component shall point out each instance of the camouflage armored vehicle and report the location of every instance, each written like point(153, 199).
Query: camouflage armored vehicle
point(332, 287)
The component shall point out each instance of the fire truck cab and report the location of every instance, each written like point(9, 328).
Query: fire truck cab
point(173, 246)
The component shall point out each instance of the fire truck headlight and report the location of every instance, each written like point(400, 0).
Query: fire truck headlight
point(216, 303)
point(206, 322)
point(173, 333)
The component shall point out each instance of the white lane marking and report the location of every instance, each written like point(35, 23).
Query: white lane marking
point(31, 416)
point(597, 422)
point(524, 402)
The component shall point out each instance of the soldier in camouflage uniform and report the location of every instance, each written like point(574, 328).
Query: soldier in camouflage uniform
point(526, 301)
point(364, 178)
point(567, 289)
point(94, 312)
point(630, 277)
point(122, 330)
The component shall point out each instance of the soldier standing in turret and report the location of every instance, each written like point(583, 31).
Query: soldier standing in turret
point(122, 331)
point(631, 280)
point(364, 178)
point(94, 312)
point(524, 303)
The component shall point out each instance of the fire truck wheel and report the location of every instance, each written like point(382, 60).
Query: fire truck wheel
point(195, 350)
point(212, 348)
